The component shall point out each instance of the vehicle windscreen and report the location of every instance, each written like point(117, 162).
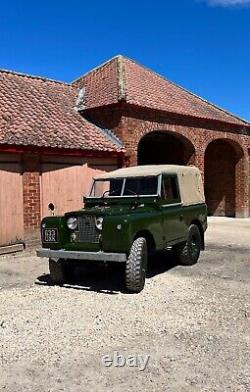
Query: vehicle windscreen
point(137, 186)
point(141, 186)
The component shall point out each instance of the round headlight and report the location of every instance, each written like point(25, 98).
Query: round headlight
point(72, 223)
point(98, 222)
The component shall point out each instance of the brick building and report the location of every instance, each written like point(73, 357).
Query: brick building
point(48, 153)
point(54, 136)
point(160, 122)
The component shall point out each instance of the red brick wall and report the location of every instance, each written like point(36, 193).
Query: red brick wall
point(31, 194)
point(220, 178)
point(106, 117)
point(131, 123)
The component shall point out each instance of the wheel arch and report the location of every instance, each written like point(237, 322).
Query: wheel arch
point(148, 237)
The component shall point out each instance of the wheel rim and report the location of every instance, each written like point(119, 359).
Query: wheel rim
point(194, 248)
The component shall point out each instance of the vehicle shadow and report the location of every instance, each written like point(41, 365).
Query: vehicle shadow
point(109, 279)
point(95, 277)
point(161, 262)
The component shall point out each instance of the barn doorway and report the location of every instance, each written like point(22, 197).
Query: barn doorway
point(222, 174)
point(165, 148)
point(64, 181)
point(11, 200)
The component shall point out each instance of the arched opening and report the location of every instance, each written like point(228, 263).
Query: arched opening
point(223, 177)
point(165, 148)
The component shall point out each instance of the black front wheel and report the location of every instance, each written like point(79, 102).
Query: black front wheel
point(58, 271)
point(189, 252)
point(136, 266)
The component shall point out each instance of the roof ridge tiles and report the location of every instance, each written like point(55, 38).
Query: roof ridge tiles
point(121, 80)
point(43, 78)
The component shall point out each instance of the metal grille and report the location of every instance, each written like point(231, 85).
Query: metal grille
point(86, 230)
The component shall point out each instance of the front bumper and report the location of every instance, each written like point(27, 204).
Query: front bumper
point(92, 256)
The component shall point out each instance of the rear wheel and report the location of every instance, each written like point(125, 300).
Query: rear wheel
point(189, 253)
point(136, 266)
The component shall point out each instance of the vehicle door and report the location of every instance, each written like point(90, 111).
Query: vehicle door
point(173, 222)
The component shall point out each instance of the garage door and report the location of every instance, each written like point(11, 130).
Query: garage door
point(65, 183)
point(11, 202)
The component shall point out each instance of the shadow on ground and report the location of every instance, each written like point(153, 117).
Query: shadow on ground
point(109, 278)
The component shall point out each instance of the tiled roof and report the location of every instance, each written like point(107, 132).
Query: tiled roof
point(123, 79)
point(101, 85)
point(41, 112)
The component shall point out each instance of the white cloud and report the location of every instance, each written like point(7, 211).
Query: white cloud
point(229, 3)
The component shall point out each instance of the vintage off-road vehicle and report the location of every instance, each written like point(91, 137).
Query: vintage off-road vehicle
point(129, 214)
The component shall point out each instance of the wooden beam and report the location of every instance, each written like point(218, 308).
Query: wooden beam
point(11, 249)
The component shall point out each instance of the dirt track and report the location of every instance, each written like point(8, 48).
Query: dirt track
point(194, 322)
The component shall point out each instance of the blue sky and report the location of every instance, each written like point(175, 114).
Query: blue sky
point(203, 45)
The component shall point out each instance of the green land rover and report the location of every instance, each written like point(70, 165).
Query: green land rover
point(129, 214)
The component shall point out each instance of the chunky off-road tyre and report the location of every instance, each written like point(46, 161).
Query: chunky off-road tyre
point(136, 266)
point(189, 253)
point(57, 271)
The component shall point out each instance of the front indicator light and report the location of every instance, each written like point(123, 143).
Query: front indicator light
point(73, 237)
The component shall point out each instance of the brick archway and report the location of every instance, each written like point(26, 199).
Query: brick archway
point(165, 147)
point(224, 178)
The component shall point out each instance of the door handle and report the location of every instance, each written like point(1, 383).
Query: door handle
point(181, 217)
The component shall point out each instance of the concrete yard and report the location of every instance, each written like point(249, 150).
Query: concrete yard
point(193, 322)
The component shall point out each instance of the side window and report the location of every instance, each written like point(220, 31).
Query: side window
point(169, 190)
point(115, 187)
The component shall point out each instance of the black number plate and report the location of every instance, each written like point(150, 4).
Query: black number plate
point(50, 235)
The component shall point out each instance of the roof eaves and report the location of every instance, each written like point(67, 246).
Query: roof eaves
point(188, 115)
point(25, 147)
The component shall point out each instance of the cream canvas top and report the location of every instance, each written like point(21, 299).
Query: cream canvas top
point(189, 178)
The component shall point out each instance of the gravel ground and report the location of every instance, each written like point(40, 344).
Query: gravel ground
point(193, 322)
